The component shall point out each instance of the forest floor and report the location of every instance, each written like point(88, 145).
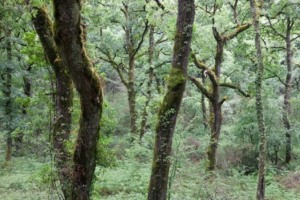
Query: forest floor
point(32, 178)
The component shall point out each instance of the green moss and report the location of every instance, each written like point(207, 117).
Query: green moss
point(176, 78)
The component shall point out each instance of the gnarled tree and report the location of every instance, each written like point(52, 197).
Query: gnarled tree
point(69, 38)
point(213, 91)
point(63, 100)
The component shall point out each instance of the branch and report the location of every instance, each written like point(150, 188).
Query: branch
point(235, 13)
point(142, 40)
point(237, 31)
point(297, 65)
point(202, 66)
point(201, 87)
point(295, 38)
point(235, 87)
point(223, 100)
point(274, 30)
point(276, 76)
point(115, 65)
point(160, 4)
point(161, 64)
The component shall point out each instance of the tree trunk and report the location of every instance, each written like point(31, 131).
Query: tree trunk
point(215, 127)
point(149, 83)
point(132, 99)
point(260, 194)
point(287, 94)
point(70, 43)
point(203, 105)
point(63, 101)
point(216, 106)
point(27, 92)
point(171, 103)
point(8, 98)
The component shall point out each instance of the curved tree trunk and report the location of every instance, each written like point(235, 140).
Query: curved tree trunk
point(260, 194)
point(171, 103)
point(63, 101)
point(69, 38)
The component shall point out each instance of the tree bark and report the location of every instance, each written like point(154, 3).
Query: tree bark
point(216, 106)
point(149, 82)
point(203, 105)
point(260, 194)
point(69, 38)
point(287, 93)
point(171, 103)
point(63, 101)
point(131, 73)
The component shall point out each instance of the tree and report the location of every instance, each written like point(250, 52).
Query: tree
point(171, 104)
point(135, 28)
point(69, 38)
point(284, 29)
point(63, 100)
point(260, 195)
point(213, 91)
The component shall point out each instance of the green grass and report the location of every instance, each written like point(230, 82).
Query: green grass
point(33, 179)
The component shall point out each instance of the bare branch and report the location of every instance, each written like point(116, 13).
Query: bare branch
point(235, 87)
point(275, 76)
point(274, 30)
point(142, 39)
point(295, 38)
point(160, 4)
point(201, 87)
point(235, 13)
point(115, 65)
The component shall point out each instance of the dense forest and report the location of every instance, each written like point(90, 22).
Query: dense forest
point(150, 99)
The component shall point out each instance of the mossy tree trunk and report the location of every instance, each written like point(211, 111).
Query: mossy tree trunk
point(69, 38)
point(260, 194)
point(63, 100)
point(149, 82)
point(171, 103)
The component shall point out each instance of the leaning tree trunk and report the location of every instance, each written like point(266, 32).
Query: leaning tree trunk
point(171, 103)
point(63, 101)
point(69, 38)
point(260, 194)
point(287, 93)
